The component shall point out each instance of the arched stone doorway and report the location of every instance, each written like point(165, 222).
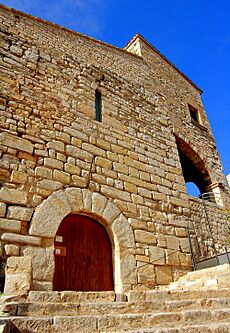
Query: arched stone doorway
point(51, 212)
point(83, 255)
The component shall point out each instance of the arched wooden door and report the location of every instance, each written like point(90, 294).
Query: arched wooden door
point(83, 256)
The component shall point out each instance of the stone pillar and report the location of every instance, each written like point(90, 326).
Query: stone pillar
point(18, 275)
point(218, 190)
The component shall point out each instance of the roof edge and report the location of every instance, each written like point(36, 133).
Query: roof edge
point(137, 35)
point(57, 26)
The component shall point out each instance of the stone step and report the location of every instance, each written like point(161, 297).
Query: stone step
point(153, 295)
point(209, 328)
point(71, 296)
point(118, 323)
point(71, 309)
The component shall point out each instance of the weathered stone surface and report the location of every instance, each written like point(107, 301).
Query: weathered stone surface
point(18, 177)
point(42, 262)
point(2, 210)
point(157, 255)
point(10, 225)
point(20, 213)
point(98, 203)
point(110, 212)
point(12, 141)
point(57, 145)
point(75, 324)
point(123, 232)
point(75, 199)
point(87, 200)
point(23, 239)
point(48, 216)
point(172, 242)
point(145, 237)
point(51, 185)
point(13, 196)
point(11, 250)
point(163, 275)
point(61, 176)
point(18, 275)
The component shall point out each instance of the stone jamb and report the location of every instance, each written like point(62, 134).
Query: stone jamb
point(51, 212)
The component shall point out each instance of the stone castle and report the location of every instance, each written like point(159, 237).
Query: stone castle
point(97, 144)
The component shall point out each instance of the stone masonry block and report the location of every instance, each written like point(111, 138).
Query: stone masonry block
point(157, 255)
point(13, 196)
point(18, 275)
point(144, 237)
point(163, 275)
point(20, 213)
point(10, 225)
point(15, 142)
point(2, 210)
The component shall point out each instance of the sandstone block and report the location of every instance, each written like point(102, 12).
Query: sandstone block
point(130, 187)
point(79, 324)
point(184, 244)
point(185, 259)
point(15, 142)
point(115, 193)
point(79, 153)
point(18, 275)
point(52, 163)
point(72, 169)
point(43, 172)
point(144, 237)
point(49, 214)
point(10, 225)
point(119, 167)
point(22, 239)
point(13, 196)
point(61, 176)
point(157, 255)
point(172, 242)
point(42, 262)
point(110, 212)
point(98, 203)
point(56, 145)
point(75, 198)
point(172, 257)
point(20, 213)
point(18, 177)
point(11, 250)
point(103, 162)
point(123, 231)
point(78, 181)
point(50, 185)
point(2, 210)
point(163, 275)
point(87, 200)
point(181, 232)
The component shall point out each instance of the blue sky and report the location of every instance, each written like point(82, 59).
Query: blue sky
point(193, 34)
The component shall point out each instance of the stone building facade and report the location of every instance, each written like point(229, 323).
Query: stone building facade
point(89, 129)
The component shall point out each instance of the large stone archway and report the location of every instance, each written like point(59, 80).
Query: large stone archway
point(50, 213)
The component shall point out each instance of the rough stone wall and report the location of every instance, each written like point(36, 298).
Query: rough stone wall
point(50, 141)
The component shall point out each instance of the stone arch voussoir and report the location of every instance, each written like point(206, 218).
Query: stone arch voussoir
point(50, 213)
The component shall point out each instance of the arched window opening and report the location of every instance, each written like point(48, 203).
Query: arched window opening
point(195, 174)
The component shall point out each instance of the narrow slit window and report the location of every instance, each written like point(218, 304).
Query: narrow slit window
point(98, 105)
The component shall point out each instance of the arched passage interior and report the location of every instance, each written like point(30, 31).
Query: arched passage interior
point(193, 168)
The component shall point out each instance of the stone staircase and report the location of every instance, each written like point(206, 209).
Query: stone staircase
point(173, 310)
